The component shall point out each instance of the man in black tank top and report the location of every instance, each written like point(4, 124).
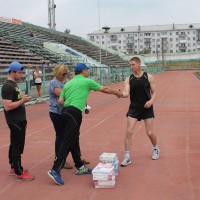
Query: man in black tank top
point(141, 88)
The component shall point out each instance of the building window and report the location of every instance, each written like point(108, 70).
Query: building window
point(158, 34)
point(147, 34)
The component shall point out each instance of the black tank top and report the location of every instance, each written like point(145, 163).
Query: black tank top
point(139, 90)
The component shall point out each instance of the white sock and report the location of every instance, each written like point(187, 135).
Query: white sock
point(81, 167)
point(127, 155)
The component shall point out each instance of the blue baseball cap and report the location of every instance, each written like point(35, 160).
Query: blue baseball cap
point(14, 66)
point(80, 66)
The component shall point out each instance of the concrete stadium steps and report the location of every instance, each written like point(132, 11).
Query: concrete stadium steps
point(82, 46)
point(10, 52)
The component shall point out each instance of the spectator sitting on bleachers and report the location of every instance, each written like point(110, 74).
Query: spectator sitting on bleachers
point(32, 34)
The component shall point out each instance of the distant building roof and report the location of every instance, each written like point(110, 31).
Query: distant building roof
point(149, 28)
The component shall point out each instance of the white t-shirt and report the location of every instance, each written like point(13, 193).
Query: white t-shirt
point(38, 80)
point(30, 74)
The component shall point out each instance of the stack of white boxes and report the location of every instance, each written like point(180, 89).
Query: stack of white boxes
point(105, 172)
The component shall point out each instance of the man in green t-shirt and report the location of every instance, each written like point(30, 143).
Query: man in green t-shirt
point(74, 96)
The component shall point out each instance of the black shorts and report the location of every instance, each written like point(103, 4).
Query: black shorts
point(38, 83)
point(140, 113)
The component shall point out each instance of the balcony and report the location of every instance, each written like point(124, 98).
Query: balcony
point(147, 42)
point(182, 47)
point(113, 38)
point(182, 41)
point(182, 37)
point(129, 46)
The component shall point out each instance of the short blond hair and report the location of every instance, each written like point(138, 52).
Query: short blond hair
point(60, 69)
point(136, 59)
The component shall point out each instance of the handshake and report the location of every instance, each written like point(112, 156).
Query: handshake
point(118, 93)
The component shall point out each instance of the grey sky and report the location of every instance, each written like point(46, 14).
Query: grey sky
point(82, 16)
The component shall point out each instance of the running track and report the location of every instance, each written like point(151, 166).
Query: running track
point(175, 176)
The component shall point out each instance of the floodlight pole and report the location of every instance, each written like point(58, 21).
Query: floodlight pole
point(99, 32)
point(106, 29)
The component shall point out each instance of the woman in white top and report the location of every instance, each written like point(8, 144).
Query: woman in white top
point(38, 81)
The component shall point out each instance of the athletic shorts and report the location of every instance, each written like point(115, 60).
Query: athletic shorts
point(38, 83)
point(140, 113)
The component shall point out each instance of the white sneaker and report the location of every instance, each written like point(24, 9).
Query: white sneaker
point(87, 107)
point(125, 162)
point(155, 153)
point(39, 100)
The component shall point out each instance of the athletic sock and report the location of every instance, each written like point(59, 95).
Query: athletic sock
point(81, 167)
point(127, 155)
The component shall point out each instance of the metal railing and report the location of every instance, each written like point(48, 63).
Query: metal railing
point(102, 75)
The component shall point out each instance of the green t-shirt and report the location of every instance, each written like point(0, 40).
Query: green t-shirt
point(76, 91)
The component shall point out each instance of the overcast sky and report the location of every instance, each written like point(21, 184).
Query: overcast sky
point(82, 16)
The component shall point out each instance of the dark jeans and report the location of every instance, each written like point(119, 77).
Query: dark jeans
point(31, 84)
point(59, 129)
point(17, 142)
point(72, 119)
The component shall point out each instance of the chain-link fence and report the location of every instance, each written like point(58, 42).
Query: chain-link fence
point(102, 75)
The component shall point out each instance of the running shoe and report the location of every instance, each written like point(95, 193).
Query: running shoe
point(24, 177)
point(155, 153)
point(84, 170)
point(12, 171)
point(125, 162)
point(56, 176)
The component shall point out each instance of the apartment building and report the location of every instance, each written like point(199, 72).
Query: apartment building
point(151, 39)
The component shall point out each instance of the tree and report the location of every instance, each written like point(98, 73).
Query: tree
point(67, 31)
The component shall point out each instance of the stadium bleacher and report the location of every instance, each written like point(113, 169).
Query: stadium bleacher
point(16, 43)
